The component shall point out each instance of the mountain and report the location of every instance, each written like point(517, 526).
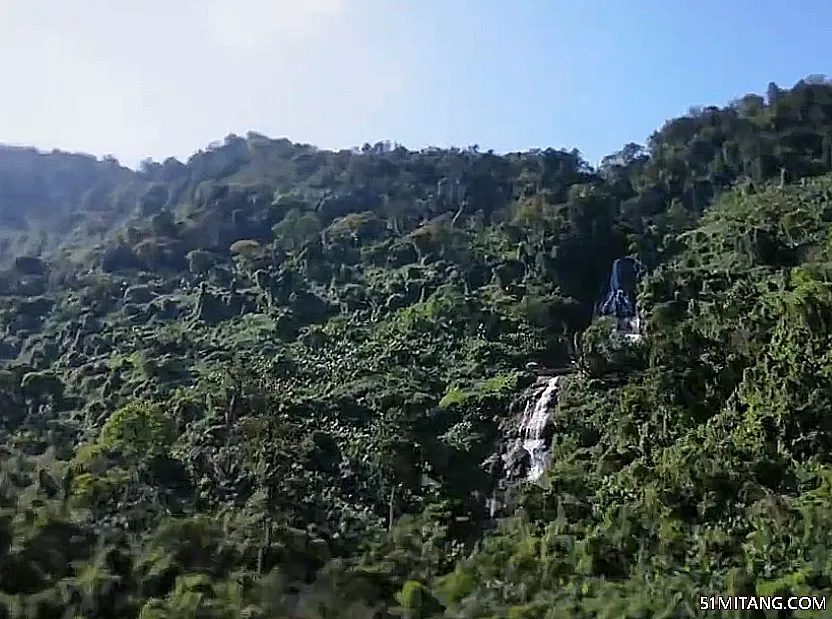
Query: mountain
point(263, 382)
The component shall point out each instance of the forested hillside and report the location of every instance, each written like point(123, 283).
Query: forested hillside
point(263, 383)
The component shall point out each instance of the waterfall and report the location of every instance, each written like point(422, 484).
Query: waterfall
point(533, 427)
point(522, 454)
point(535, 420)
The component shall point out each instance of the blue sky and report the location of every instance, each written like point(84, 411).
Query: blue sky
point(157, 78)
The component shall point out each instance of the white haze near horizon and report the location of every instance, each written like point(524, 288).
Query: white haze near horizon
point(160, 78)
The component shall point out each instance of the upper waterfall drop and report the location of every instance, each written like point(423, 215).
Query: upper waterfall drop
point(620, 300)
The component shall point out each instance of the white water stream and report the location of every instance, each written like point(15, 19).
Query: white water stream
point(535, 418)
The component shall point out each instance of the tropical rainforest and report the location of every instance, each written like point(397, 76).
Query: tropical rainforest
point(263, 382)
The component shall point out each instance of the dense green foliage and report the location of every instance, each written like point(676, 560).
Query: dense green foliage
point(263, 383)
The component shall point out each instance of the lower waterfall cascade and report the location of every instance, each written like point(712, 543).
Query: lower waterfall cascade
point(535, 420)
